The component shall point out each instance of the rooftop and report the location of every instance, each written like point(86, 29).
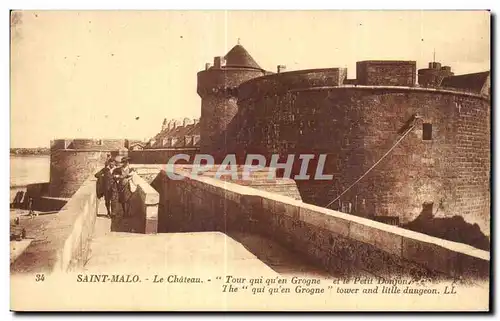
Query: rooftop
point(240, 58)
point(472, 82)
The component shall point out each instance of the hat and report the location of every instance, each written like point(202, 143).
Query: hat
point(125, 159)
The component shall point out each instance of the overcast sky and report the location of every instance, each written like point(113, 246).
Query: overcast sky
point(90, 74)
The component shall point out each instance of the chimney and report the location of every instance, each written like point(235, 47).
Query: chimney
point(208, 65)
point(186, 121)
point(218, 62)
point(196, 139)
point(281, 68)
point(164, 125)
point(187, 140)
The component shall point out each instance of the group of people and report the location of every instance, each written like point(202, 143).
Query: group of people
point(114, 183)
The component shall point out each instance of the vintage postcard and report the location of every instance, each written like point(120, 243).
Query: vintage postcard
point(250, 160)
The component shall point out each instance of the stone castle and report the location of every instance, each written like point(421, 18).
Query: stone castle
point(442, 166)
point(408, 151)
point(439, 170)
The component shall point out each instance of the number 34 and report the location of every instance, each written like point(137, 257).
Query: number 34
point(40, 277)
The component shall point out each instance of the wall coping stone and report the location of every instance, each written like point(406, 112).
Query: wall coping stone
point(54, 253)
point(151, 195)
point(397, 88)
point(388, 238)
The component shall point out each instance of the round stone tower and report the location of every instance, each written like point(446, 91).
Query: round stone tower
point(72, 161)
point(217, 87)
point(432, 76)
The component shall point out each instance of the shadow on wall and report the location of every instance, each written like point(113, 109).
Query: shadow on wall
point(454, 228)
point(123, 224)
point(280, 259)
point(40, 202)
point(158, 184)
point(133, 223)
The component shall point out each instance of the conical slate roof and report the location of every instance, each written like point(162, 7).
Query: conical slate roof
point(239, 57)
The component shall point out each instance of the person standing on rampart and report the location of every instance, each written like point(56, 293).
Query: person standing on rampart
point(106, 186)
point(123, 175)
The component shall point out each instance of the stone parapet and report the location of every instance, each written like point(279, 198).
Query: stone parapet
point(341, 243)
point(66, 242)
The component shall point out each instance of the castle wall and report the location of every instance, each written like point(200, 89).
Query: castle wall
point(158, 156)
point(99, 144)
point(67, 236)
point(342, 244)
point(430, 77)
point(283, 82)
point(386, 73)
point(70, 168)
point(217, 112)
point(217, 88)
point(73, 161)
point(95, 144)
point(355, 126)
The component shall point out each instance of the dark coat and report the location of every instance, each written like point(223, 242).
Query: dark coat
point(99, 188)
point(122, 183)
point(105, 182)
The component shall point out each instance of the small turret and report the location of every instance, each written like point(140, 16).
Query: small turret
point(434, 75)
point(217, 88)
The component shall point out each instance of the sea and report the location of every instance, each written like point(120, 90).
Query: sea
point(29, 169)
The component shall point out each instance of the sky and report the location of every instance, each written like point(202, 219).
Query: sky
point(91, 74)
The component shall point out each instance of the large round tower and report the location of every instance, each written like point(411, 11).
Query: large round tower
point(217, 87)
point(72, 161)
point(435, 176)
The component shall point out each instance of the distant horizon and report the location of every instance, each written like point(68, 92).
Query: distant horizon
point(120, 73)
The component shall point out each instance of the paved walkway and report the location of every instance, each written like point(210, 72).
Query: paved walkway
point(214, 253)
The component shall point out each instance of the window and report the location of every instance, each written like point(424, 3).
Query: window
point(99, 142)
point(427, 131)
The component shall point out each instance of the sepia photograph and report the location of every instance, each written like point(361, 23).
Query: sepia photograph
point(250, 160)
